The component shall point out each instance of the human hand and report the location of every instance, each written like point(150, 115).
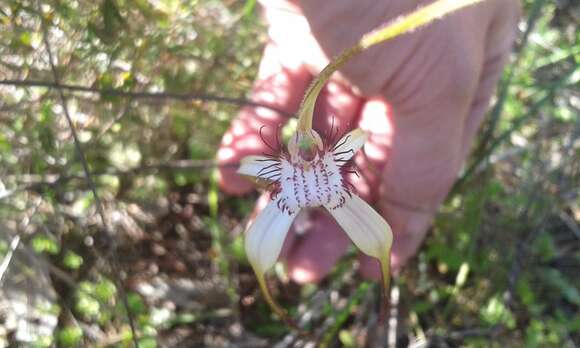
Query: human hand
point(420, 98)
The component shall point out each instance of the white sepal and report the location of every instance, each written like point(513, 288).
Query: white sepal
point(254, 165)
point(364, 226)
point(349, 144)
point(265, 237)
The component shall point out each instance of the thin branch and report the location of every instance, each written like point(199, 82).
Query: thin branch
point(8, 258)
point(142, 95)
point(89, 178)
point(34, 182)
point(15, 242)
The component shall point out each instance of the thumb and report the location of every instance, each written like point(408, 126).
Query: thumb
point(254, 130)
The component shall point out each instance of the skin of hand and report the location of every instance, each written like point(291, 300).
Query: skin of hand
point(420, 98)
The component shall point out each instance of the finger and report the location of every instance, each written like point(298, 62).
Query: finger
point(502, 32)
point(336, 110)
point(280, 85)
point(422, 155)
point(369, 69)
point(410, 223)
point(433, 131)
point(411, 218)
point(376, 121)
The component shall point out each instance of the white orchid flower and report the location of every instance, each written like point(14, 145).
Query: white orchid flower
point(311, 174)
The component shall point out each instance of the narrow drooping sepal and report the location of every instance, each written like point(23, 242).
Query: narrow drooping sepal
point(371, 234)
point(385, 262)
point(265, 237)
point(264, 240)
point(364, 226)
point(349, 144)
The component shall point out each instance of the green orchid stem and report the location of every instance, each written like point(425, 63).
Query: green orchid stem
point(397, 27)
point(385, 286)
point(306, 111)
point(275, 306)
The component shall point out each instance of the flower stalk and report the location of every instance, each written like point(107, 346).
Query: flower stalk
point(276, 308)
point(397, 27)
point(312, 173)
point(385, 262)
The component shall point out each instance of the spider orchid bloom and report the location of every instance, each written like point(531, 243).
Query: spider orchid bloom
point(311, 174)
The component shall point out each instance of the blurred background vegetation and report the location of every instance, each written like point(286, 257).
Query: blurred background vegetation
point(501, 267)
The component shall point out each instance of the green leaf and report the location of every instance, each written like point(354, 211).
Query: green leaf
point(136, 304)
point(70, 336)
point(25, 38)
point(105, 291)
point(525, 291)
point(450, 257)
point(422, 306)
point(43, 243)
point(545, 247)
point(237, 249)
point(148, 342)
point(557, 280)
point(495, 312)
point(72, 260)
point(213, 196)
point(346, 338)
point(249, 8)
point(87, 306)
point(5, 145)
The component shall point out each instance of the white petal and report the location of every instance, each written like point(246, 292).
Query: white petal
point(266, 235)
point(364, 226)
point(255, 165)
point(349, 144)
